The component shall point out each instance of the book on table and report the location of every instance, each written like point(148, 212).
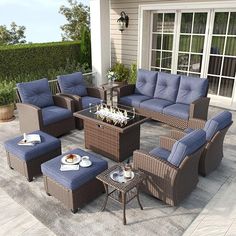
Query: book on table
point(30, 140)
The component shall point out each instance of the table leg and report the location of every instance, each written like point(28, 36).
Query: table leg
point(111, 97)
point(106, 198)
point(139, 199)
point(124, 205)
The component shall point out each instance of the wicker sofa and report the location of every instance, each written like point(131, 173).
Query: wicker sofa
point(216, 129)
point(172, 99)
point(172, 168)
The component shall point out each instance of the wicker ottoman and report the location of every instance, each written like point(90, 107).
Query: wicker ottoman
point(74, 188)
point(27, 160)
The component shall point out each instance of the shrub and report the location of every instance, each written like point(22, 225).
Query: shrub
point(133, 74)
point(7, 93)
point(21, 60)
point(121, 72)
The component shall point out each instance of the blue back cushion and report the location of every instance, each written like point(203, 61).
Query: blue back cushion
point(191, 88)
point(72, 84)
point(186, 146)
point(36, 93)
point(146, 82)
point(216, 123)
point(167, 86)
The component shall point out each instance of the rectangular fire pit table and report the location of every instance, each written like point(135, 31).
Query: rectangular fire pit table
point(121, 192)
point(112, 141)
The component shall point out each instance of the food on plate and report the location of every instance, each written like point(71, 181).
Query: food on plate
point(70, 158)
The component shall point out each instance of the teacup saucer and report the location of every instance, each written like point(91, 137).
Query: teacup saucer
point(86, 163)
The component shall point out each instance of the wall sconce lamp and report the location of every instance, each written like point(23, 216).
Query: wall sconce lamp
point(123, 21)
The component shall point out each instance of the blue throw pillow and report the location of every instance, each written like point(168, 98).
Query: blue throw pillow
point(36, 93)
point(72, 84)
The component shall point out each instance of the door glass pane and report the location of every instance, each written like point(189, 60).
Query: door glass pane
point(169, 23)
point(231, 46)
point(217, 45)
point(156, 56)
point(194, 75)
point(167, 71)
point(186, 22)
point(155, 69)
point(166, 59)
point(214, 65)
point(183, 61)
point(181, 73)
point(197, 44)
point(195, 63)
point(213, 84)
point(232, 24)
point(184, 43)
point(156, 41)
point(199, 26)
point(167, 42)
point(157, 22)
point(226, 87)
point(220, 23)
point(229, 67)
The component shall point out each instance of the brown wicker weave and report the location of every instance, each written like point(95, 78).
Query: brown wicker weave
point(165, 181)
point(212, 154)
point(198, 109)
point(109, 140)
point(30, 118)
point(73, 199)
point(92, 92)
point(31, 168)
point(122, 193)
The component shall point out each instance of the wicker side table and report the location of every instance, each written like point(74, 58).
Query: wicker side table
point(122, 193)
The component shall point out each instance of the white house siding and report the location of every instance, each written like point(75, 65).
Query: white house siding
point(124, 46)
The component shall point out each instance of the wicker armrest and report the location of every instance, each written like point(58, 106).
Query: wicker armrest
point(97, 93)
point(125, 90)
point(30, 117)
point(177, 134)
point(154, 165)
point(167, 142)
point(196, 123)
point(199, 108)
point(63, 101)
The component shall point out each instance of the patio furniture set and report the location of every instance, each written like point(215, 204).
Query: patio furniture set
point(168, 172)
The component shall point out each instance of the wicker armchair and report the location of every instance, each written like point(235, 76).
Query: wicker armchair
point(216, 129)
point(39, 110)
point(167, 181)
point(74, 87)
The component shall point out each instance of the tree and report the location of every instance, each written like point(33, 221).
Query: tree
point(85, 45)
point(77, 16)
point(14, 35)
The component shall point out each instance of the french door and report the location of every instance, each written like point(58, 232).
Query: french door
point(196, 43)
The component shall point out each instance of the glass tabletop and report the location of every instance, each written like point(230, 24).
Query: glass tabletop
point(118, 112)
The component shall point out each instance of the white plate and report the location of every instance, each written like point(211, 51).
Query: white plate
point(118, 176)
point(76, 161)
point(86, 163)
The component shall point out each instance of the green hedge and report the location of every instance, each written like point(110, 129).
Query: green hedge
point(39, 58)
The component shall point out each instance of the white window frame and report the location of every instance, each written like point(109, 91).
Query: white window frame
point(144, 46)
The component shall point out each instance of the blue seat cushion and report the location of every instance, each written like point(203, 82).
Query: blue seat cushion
point(155, 104)
point(36, 93)
point(217, 123)
point(133, 100)
point(72, 84)
point(188, 130)
point(167, 86)
point(76, 178)
point(87, 99)
point(191, 88)
point(54, 114)
point(177, 110)
point(146, 82)
point(27, 153)
point(186, 146)
point(160, 152)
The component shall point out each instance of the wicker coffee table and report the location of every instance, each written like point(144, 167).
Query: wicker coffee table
point(121, 192)
point(112, 141)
